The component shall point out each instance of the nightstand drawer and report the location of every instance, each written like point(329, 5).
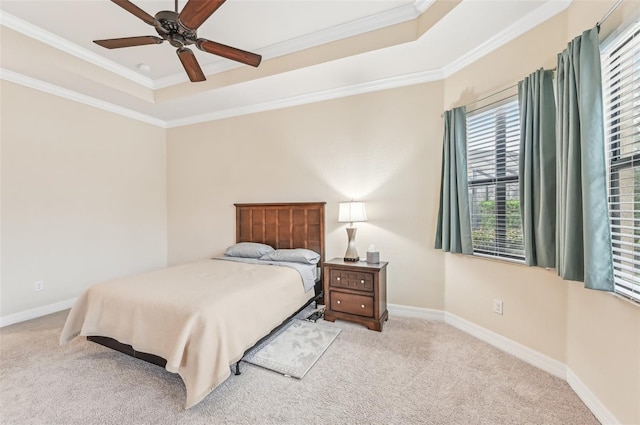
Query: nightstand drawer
point(352, 280)
point(351, 303)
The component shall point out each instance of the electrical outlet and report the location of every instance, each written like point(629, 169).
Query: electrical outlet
point(497, 306)
point(38, 285)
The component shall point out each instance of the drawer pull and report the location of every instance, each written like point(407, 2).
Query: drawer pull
point(361, 305)
point(338, 302)
point(362, 281)
point(338, 278)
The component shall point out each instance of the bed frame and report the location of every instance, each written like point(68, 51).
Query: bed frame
point(281, 225)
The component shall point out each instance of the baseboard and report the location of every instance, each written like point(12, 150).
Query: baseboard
point(524, 353)
point(36, 312)
point(590, 400)
point(422, 313)
point(539, 360)
point(518, 350)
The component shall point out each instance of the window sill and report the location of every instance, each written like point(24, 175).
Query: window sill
point(500, 259)
point(625, 298)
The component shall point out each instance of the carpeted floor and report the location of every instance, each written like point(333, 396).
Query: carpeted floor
point(414, 372)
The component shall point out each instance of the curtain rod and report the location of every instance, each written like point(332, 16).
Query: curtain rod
point(494, 94)
point(615, 6)
point(487, 97)
point(600, 22)
point(491, 103)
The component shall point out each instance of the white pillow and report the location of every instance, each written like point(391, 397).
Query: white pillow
point(248, 250)
point(296, 255)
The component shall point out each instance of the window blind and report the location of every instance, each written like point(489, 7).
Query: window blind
point(621, 94)
point(493, 144)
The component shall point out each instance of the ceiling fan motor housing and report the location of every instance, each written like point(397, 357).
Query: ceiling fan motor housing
point(171, 29)
point(180, 30)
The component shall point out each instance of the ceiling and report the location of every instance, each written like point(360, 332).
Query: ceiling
point(312, 50)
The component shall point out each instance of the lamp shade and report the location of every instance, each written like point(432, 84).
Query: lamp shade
point(350, 212)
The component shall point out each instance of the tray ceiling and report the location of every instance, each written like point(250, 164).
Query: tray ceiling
point(312, 50)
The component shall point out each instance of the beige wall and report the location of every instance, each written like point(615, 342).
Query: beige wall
point(385, 148)
point(84, 200)
point(534, 312)
point(83, 197)
point(597, 335)
point(382, 148)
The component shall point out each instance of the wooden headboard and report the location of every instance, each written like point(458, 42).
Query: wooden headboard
point(286, 225)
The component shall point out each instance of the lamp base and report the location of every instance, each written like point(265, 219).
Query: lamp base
point(352, 253)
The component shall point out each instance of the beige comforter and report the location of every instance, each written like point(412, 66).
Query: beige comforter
point(200, 317)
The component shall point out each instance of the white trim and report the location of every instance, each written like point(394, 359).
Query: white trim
point(43, 86)
point(421, 313)
point(370, 23)
point(384, 19)
point(422, 5)
point(37, 33)
point(598, 409)
point(362, 88)
point(397, 15)
point(378, 85)
point(389, 17)
point(349, 29)
point(539, 360)
point(533, 19)
point(507, 345)
point(36, 312)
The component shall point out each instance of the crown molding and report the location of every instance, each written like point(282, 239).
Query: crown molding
point(362, 88)
point(521, 26)
point(37, 33)
point(538, 16)
point(374, 22)
point(43, 86)
point(320, 96)
point(370, 23)
point(380, 20)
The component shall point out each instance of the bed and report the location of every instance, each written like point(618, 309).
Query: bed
point(200, 318)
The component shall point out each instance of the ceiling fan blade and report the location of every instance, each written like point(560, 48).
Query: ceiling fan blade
point(195, 12)
point(191, 65)
point(135, 10)
point(228, 52)
point(116, 43)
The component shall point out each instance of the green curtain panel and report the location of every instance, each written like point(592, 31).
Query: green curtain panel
point(583, 244)
point(538, 168)
point(454, 223)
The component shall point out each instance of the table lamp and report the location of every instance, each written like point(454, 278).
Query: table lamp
point(351, 212)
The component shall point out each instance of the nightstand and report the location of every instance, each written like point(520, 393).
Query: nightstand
point(356, 291)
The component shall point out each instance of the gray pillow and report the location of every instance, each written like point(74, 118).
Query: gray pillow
point(296, 255)
point(248, 250)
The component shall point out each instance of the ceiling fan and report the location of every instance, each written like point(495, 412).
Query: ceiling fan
point(180, 30)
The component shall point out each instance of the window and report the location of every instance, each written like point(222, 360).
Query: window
point(493, 140)
point(621, 87)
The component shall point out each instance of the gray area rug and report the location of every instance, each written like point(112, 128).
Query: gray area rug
point(294, 350)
